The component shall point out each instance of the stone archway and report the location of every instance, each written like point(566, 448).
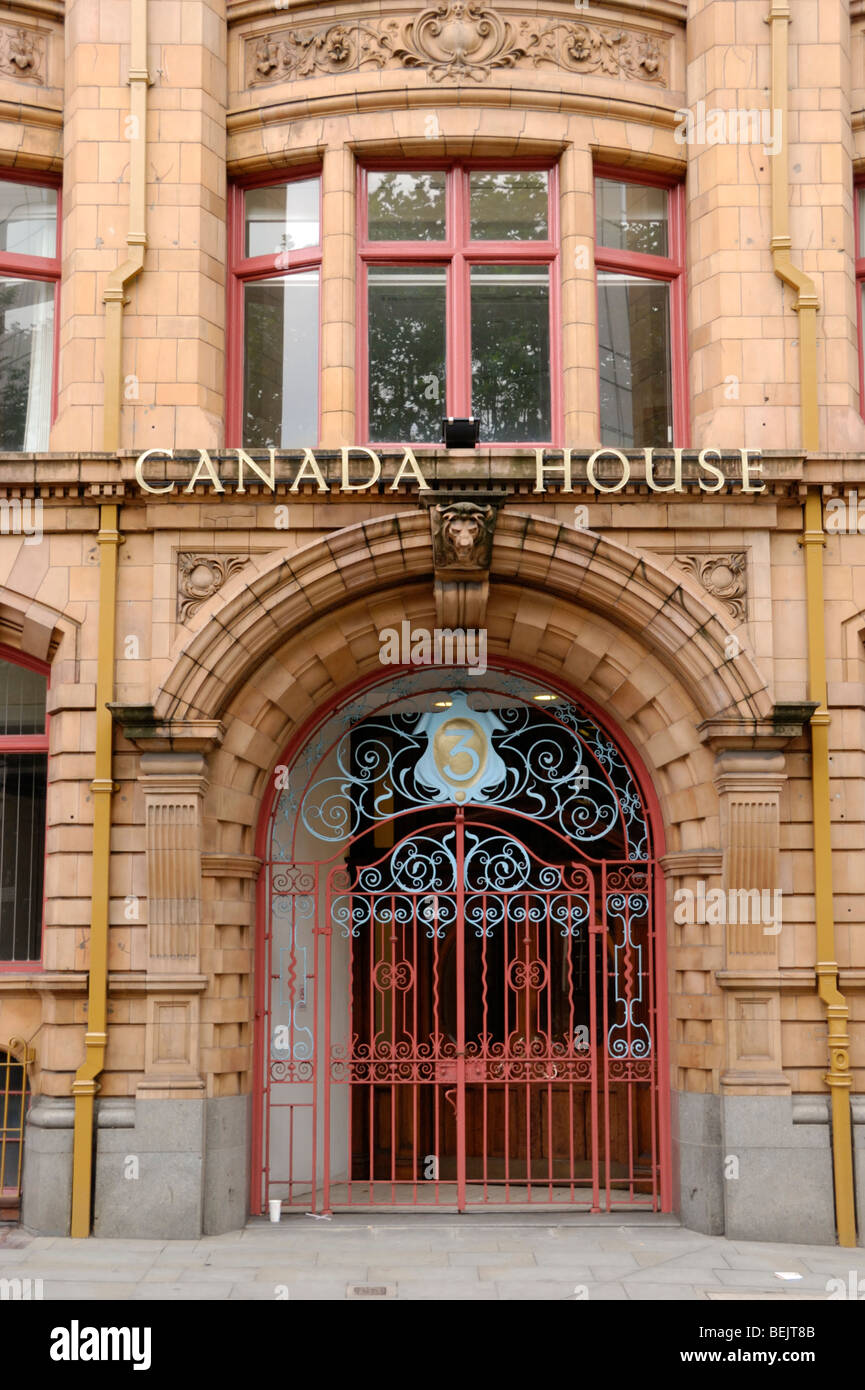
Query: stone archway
point(279, 642)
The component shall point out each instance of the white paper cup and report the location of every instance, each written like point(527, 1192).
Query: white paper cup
point(275, 1205)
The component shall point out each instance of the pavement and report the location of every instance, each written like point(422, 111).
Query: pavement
point(478, 1257)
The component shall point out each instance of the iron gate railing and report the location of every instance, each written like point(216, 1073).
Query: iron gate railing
point(449, 1032)
point(15, 1058)
point(462, 1023)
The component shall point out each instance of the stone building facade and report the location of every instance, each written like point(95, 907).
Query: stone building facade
point(199, 621)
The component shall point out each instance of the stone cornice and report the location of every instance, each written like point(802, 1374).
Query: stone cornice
point(119, 982)
point(788, 722)
point(802, 979)
point(43, 9)
point(688, 863)
point(230, 865)
point(151, 735)
point(353, 101)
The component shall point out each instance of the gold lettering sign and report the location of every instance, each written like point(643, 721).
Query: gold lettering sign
point(604, 471)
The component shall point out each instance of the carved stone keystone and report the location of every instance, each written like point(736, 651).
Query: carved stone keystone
point(462, 530)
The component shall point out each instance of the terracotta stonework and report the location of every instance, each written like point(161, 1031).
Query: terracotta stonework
point(682, 615)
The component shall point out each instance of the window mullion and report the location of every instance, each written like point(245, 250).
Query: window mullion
point(459, 339)
point(459, 336)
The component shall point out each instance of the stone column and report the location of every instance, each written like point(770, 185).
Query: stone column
point(749, 786)
point(174, 786)
point(579, 299)
point(174, 322)
point(338, 278)
point(745, 387)
point(695, 951)
point(777, 1163)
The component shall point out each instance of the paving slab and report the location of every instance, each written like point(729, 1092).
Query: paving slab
point(431, 1256)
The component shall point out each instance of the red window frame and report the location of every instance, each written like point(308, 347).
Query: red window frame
point(859, 263)
point(44, 268)
point(458, 253)
point(244, 269)
point(670, 269)
point(28, 743)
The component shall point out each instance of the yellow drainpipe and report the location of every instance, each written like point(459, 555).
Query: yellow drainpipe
point(838, 1077)
point(114, 295)
point(85, 1085)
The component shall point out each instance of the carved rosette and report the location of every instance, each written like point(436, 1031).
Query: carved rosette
point(462, 41)
point(199, 577)
point(22, 53)
point(723, 576)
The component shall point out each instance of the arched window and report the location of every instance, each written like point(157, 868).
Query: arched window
point(23, 785)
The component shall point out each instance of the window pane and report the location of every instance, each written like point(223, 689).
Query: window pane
point(635, 368)
point(28, 219)
point(406, 207)
point(511, 352)
point(22, 700)
point(284, 218)
point(280, 361)
point(632, 217)
point(26, 363)
point(407, 353)
point(22, 850)
point(861, 197)
point(509, 206)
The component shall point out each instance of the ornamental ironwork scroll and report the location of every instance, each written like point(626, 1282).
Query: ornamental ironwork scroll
point(562, 769)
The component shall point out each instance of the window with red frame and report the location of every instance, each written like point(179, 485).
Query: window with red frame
point(639, 257)
point(29, 286)
point(275, 231)
point(457, 303)
point(23, 784)
point(859, 215)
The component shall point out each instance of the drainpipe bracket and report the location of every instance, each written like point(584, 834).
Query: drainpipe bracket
point(104, 786)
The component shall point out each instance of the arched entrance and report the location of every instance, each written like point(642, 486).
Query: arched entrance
point(460, 985)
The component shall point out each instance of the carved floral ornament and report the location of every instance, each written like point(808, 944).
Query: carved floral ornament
point(722, 576)
point(22, 53)
point(199, 577)
point(460, 41)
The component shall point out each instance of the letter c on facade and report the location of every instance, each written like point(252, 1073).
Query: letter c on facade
point(139, 466)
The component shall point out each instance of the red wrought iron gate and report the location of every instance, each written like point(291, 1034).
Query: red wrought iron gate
point(462, 1011)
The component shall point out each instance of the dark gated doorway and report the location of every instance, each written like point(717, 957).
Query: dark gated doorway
point(459, 1004)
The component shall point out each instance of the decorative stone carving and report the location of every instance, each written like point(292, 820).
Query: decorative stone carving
point(462, 533)
point(723, 576)
point(174, 785)
point(460, 41)
point(462, 537)
point(199, 577)
point(22, 54)
point(749, 784)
